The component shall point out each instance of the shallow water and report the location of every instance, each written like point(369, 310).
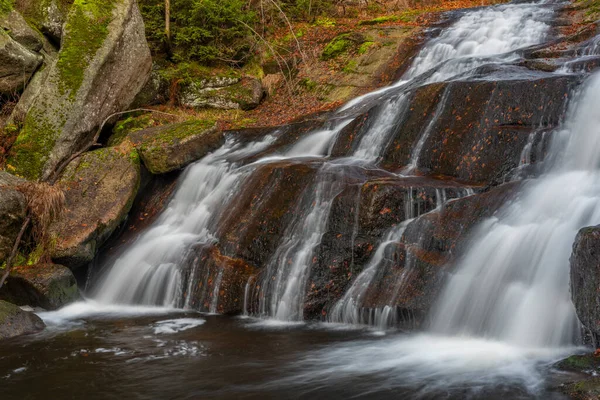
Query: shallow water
point(95, 352)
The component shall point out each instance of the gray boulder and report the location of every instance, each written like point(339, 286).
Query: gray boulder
point(222, 92)
point(19, 30)
point(170, 147)
point(17, 64)
point(103, 62)
point(16, 322)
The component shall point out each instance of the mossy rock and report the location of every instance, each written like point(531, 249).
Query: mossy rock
point(18, 29)
point(49, 286)
point(16, 322)
point(46, 16)
point(170, 147)
point(342, 44)
point(100, 188)
point(103, 62)
point(223, 93)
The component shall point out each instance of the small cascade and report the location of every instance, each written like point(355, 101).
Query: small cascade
point(418, 148)
point(149, 272)
point(283, 285)
point(486, 36)
point(351, 309)
point(513, 283)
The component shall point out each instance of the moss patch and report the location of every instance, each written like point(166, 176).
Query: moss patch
point(85, 32)
point(178, 132)
point(338, 46)
point(32, 147)
point(5, 6)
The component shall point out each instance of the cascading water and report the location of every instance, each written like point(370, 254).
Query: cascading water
point(513, 282)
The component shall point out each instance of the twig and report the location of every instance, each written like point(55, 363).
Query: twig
point(15, 248)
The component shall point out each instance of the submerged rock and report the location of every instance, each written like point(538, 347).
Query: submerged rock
point(103, 62)
point(170, 147)
point(13, 209)
point(99, 188)
point(585, 280)
point(16, 322)
point(48, 286)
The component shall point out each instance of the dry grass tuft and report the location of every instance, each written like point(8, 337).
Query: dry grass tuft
point(45, 203)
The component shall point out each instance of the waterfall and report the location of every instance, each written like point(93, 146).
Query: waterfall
point(512, 284)
point(151, 271)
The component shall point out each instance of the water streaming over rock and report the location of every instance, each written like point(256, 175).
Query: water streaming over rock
point(513, 282)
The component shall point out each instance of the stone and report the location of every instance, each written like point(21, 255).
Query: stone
point(171, 147)
point(19, 30)
point(17, 64)
point(48, 286)
point(103, 63)
point(100, 187)
point(222, 92)
point(16, 322)
point(48, 16)
point(13, 210)
point(585, 280)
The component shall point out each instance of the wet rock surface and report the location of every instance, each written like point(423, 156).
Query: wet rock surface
point(416, 266)
point(48, 286)
point(16, 322)
point(585, 280)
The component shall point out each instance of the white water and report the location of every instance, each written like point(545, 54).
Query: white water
point(287, 272)
point(485, 36)
point(149, 272)
point(513, 282)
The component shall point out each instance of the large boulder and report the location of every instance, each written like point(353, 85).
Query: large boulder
point(585, 280)
point(16, 322)
point(48, 286)
point(99, 188)
point(17, 64)
point(103, 62)
point(13, 209)
point(170, 147)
